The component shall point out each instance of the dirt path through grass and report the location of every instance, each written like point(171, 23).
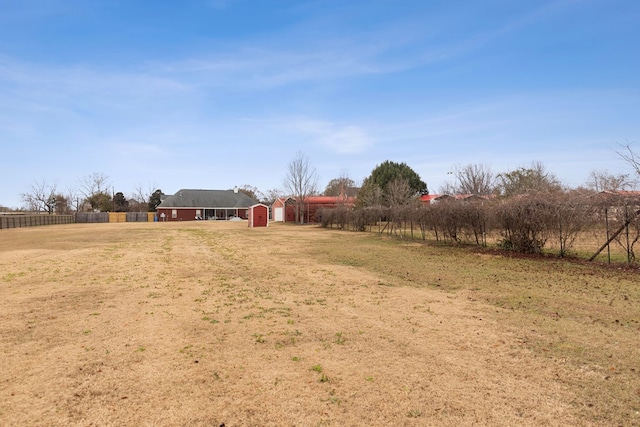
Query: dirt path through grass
point(207, 323)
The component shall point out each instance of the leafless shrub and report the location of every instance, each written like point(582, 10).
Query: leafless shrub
point(448, 216)
point(621, 213)
point(474, 221)
point(524, 222)
point(425, 219)
point(570, 215)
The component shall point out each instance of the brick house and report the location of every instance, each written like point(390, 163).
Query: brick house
point(191, 205)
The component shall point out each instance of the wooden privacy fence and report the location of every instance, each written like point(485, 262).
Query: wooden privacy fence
point(18, 221)
point(93, 217)
point(86, 217)
point(140, 216)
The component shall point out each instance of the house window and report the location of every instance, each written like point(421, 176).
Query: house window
point(174, 213)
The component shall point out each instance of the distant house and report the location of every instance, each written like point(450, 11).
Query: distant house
point(190, 205)
point(427, 199)
point(627, 194)
point(283, 209)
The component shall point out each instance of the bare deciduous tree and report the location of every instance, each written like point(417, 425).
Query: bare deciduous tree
point(75, 198)
point(342, 185)
point(252, 191)
point(472, 179)
point(535, 178)
point(602, 180)
point(626, 153)
point(140, 198)
point(301, 182)
point(399, 193)
point(448, 188)
point(370, 196)
point(271, 196)
point(95, 190)
point(94, 184)
point(40, 197)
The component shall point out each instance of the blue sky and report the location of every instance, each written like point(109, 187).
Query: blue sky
point(217, 93)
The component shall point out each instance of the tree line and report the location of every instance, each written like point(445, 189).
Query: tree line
point(524, 210)
point(93, 193)
point(525, 224)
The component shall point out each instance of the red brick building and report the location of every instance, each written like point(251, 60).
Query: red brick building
point(284, 208)
point(191, 205)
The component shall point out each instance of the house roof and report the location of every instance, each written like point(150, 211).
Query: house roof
point(319, 200)
point(429, 197)
point(435, 197)
point(219, 199)
point(624, 193)
point(329, 200)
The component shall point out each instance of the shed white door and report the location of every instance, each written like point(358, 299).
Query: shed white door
point(278, 214)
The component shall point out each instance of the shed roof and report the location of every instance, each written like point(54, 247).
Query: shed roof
point(219, 199)
point(329, 200)
point(429, 197)
point(319, 200)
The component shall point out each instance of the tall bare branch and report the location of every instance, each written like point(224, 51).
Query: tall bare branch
point(626, 153)
point(300, 182)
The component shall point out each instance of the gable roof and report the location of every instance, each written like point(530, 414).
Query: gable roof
point(427, 198)
point(330, 200)
point(319, 200)
point(623, 193)
point(207, 199)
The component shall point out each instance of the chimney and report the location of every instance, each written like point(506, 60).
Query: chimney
point(235, 189)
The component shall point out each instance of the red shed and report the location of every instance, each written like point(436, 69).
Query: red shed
point(258, 215)
point(283, 210)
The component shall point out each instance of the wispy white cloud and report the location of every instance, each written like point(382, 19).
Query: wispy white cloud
point(453, 37)
point(59, 100)
point(79, 79)
point(337, 138)
point(267, 67)
point(286, 58)
point(301, 54)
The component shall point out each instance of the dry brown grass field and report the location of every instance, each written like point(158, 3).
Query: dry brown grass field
point(211, 323)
